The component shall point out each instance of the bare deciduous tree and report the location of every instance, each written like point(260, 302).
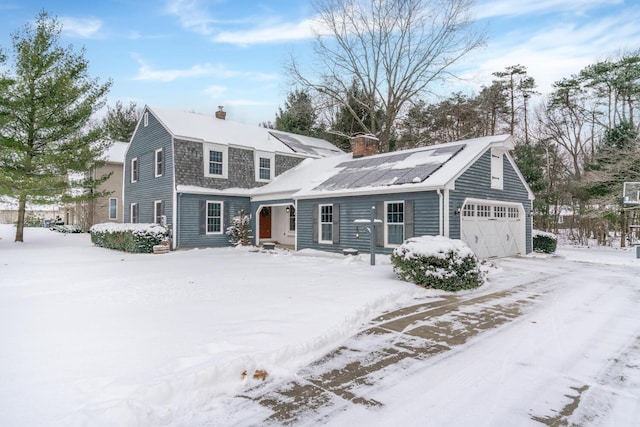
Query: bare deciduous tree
point(393, 50)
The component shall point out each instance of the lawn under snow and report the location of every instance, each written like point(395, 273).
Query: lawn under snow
point(90, 336)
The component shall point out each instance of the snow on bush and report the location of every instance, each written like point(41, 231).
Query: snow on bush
point(437, 262)
point(544, 242)
point(139, 238)
point(239, 231)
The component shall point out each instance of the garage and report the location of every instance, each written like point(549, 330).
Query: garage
point(493, 229)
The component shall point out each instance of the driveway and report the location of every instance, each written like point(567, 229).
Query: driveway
point(354, 382)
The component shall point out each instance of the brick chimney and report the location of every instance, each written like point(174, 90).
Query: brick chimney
point(363, 145)
point(221, 114)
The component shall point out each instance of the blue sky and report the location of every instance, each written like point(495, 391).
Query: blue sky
point(194, 55)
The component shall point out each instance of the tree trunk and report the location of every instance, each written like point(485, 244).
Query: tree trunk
point(22, 204)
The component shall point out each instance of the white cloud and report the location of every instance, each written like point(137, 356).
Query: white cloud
point(81, 27)
point(147, 72)
point(496, 8)
point(554, 51)
point(192, 15)
point(215, 91)
point(276, 32)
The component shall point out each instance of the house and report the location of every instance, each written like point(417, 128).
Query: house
point(103, 209)
point(35, 215)
point(193, 172)
point(469, 190)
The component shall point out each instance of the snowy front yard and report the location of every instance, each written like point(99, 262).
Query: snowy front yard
point(90, 336)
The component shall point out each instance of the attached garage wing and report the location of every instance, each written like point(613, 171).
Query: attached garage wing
point(493, 229)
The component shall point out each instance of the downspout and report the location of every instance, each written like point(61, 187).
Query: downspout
point(176, 217)
point(445, 213)
point(440, 213)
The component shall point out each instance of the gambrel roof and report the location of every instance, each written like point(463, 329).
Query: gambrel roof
point(420, 169)
point(207, 128)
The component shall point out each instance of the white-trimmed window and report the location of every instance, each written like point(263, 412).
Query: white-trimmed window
point(146, 119)
point(326, 224)
point(513, 212)
point(158, 211)
point(497, 172)
point(265, 163)
point(134, 170)
point(213, 217)
point(215, 161)
point(159, 162)
point(133, 212)
point(394, 226)
point(113, 208)
point(292, 218)
point(500, 211)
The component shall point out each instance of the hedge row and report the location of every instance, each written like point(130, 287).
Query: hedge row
point(136, 238)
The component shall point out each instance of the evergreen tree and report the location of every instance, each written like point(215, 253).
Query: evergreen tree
point(299, 115)
point(47, 99)
point(120, 121)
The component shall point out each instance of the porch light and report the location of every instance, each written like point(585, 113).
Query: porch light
point(457, 210)
point(287, 209)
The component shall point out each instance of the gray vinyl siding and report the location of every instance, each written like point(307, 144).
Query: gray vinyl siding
point(189, 225)
point(475, 182)
point(149, 188)
point(425, 219)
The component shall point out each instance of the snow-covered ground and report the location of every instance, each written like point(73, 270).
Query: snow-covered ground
point(90, 336)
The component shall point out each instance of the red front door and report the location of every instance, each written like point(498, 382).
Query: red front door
point(265, 223)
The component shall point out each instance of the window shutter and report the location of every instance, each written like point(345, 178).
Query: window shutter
point(380, 227)
point(336, 223)
point(203, 217)
point(408, 219)
point(226, 220)
point(314, 224)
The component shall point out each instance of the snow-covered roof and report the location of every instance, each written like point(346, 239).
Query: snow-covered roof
point(207, 128)
point(419, 169)
point(11, 204)
point(116, 152)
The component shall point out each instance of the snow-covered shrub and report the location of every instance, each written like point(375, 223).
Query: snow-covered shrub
point(240, 229)
point(544, 242)
point(67, 228)
point(437, 262)
point(137, 238)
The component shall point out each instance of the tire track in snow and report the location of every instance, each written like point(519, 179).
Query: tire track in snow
point(402, 337)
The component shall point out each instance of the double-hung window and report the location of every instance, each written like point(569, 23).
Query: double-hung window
point(215, 160)
point(134, 170)
point(113, 208)
point(264, 168)
point(133, 211)
point(326, 223)
point(214, 218)
point(158, 211)
point(395, 223)
point(159, 162)
point(264, 164)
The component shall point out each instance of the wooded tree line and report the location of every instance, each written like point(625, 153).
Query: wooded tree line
point(575, 146)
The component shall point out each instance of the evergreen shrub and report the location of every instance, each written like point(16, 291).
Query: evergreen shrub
point(136, 238)
point(544, 242)
point(437, 262)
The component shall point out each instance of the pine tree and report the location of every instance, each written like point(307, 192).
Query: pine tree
point(120, 122)
point(46, 101)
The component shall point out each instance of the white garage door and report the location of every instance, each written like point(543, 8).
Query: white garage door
point(493, 229)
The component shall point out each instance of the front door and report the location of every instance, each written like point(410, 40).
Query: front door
point(265, 223)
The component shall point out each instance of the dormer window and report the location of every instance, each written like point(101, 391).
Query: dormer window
point(264, 165)
point(215, 161)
